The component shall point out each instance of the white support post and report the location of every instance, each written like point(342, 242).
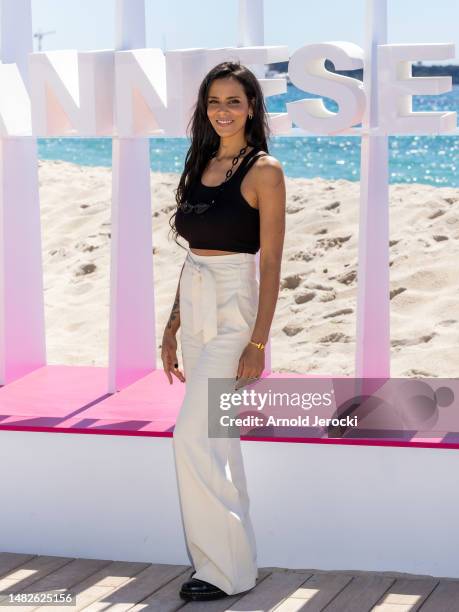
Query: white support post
point(132, 316)
point(22, 319)
point(251, 33)
point(372, 359)
point(251, 29)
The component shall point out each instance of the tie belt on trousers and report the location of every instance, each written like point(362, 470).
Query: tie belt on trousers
point(204, 299)
point(204, 287)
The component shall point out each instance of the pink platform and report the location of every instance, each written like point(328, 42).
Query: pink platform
point(73, 399)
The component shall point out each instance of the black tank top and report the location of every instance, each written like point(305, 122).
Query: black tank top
point(230, 224)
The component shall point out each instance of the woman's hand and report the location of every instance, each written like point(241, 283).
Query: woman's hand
point(169, 356)
point(251, 363)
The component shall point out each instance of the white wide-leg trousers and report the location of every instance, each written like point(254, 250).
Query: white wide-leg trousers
point(218, 308)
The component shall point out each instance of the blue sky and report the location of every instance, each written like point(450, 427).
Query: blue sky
point(174, 24)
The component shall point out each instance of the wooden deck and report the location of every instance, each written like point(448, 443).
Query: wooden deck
point(117, 585)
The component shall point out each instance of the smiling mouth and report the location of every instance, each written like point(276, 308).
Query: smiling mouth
point(224, 122)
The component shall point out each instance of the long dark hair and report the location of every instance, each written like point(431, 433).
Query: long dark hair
point(204, 139)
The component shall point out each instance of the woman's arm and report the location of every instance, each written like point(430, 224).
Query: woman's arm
point(169, 342)
point(174, 319)
point(269, 184)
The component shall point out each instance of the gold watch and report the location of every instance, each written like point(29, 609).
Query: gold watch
point(259, 345)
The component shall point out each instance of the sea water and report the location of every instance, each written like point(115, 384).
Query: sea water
point(432, 160)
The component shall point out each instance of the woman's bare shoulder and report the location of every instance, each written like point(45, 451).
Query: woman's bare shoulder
point(268, 169)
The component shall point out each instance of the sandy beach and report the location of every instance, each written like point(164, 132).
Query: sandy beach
point(314, 325)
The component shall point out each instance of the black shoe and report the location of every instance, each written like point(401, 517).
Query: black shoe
point(199, 590)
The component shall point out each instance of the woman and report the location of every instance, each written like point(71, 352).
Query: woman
point(230, 204)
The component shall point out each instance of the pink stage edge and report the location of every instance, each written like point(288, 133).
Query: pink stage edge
point(73, 399)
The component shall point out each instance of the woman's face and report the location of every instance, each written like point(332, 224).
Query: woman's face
point(227, 106)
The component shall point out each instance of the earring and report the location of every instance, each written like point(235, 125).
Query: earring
point(250, 116)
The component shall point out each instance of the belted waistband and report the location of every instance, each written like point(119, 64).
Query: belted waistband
point(204, 290)
point(203, 299)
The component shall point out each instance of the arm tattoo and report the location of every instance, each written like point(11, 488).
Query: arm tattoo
point(175, 314)
point(174, 318)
